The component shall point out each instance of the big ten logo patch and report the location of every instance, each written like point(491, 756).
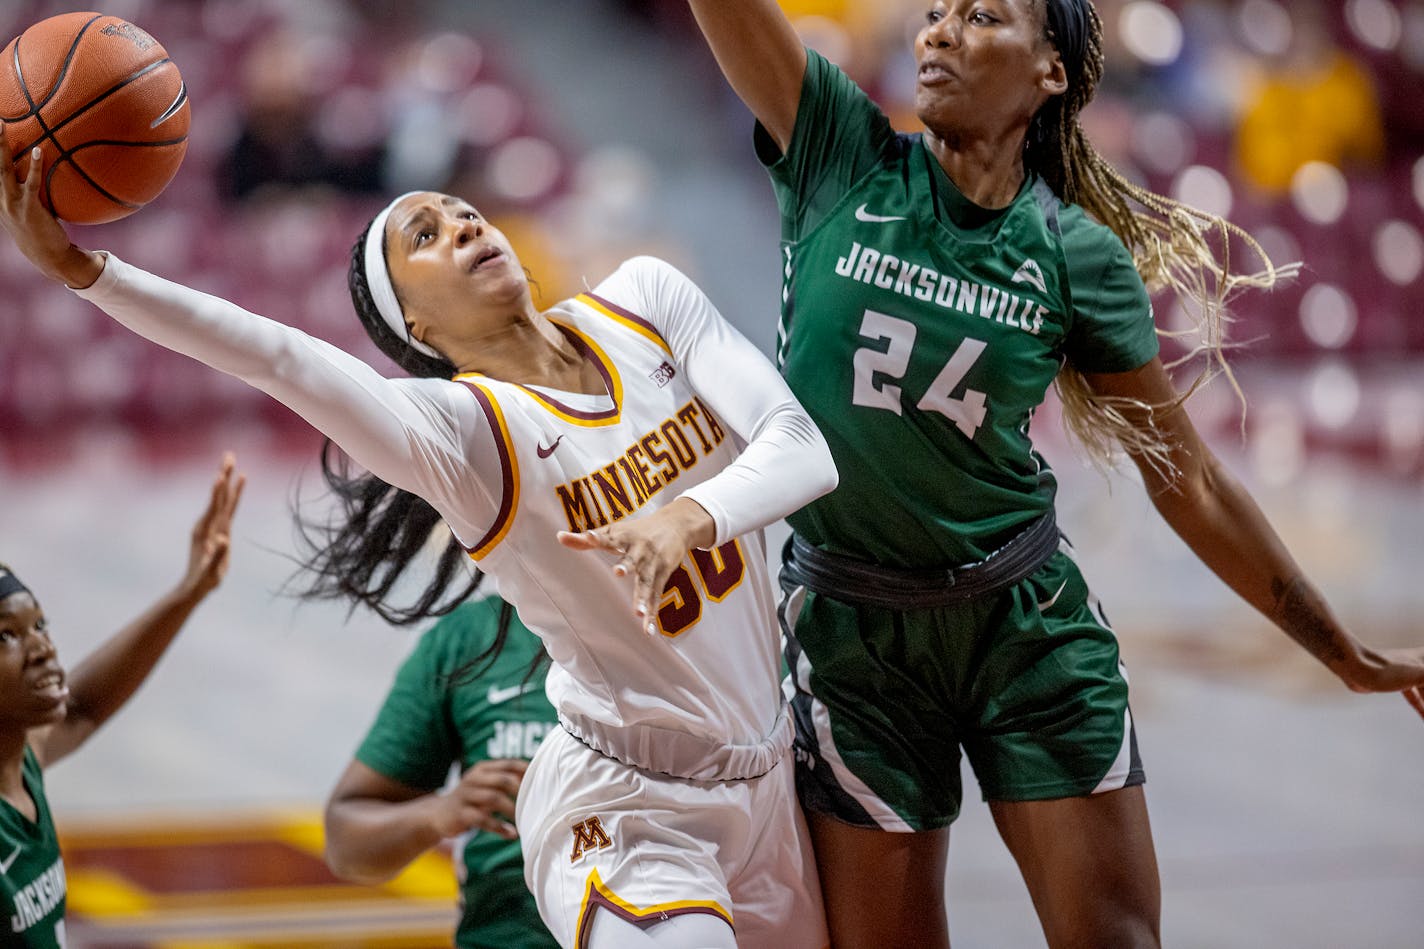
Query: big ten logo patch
point(663, 374)
point(589, 835)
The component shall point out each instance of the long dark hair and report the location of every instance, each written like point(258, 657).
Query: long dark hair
point(361, 551)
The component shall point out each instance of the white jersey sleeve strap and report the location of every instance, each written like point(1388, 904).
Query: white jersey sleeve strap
point(503, 449)
point(421, 435)
point(786, 463)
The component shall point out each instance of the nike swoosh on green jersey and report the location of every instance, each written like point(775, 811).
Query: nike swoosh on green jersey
point(498, 696)
point(862, 214)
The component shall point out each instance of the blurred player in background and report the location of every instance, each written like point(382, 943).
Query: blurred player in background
point(46, 713)
point(471, 695)
point(935, 285)
point(629, 433)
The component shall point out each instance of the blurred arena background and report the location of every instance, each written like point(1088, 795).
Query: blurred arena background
point(1287, 811)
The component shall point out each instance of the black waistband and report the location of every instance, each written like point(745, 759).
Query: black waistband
point(868, 584)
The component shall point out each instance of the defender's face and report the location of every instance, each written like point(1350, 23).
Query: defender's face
point(33, 690)
point(983, 65)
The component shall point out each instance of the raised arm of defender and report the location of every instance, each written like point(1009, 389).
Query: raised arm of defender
point(1223, 526)
point(761, 56)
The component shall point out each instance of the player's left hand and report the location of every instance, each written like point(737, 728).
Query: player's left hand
point(1389, 670)
point(650, 549)
point(212, 534)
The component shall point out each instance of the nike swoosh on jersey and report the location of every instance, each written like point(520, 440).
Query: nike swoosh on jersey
point(498, 696)
point(861, 214)
point(546, 452)
point(5, 864)
point(1054, 598)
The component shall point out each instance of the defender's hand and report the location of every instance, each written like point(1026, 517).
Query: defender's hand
point(212, 535)
point(1389, 670)
point(482, 800)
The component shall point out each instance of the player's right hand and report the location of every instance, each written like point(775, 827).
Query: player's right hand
point(37, 233)
point(482, 800)
point(211, 541)
point(650, 547)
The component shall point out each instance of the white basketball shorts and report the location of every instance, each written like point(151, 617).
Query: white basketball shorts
point(602, 837)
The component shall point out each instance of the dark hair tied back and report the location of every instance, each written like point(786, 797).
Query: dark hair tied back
point(365, 547)
point(401, 352)
point(1069, 24)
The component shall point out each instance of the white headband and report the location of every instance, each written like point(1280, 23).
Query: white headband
point(378, 278)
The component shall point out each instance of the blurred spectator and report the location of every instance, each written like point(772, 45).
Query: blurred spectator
point(281, 143)
point(1315, 102)
point(435, 135)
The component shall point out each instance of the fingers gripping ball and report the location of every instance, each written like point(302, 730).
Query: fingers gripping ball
point(107, 107)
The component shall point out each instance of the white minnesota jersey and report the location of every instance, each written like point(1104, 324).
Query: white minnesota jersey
point(508, 466)
point(702, 698)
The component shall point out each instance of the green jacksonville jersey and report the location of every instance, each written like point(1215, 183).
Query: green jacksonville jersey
point(32, 883)
point(428, 724)
point(921, 331)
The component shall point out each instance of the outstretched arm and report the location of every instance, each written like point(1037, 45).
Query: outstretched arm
point(1222, 525)
point(415, 434)
point(761, 56)
point(108, 677)
point(375, 826)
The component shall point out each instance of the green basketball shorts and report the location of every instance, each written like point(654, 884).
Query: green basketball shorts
point(1026, 680)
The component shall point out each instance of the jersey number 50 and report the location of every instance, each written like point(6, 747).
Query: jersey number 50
point(967, 411)
point(720, 570)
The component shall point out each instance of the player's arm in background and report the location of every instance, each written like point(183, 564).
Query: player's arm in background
point(760, 54)
point(375, 825)
point(1223, 526)
point(106, 679)
point(388, 807)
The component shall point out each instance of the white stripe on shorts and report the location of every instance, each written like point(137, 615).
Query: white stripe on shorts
point(1122, 765)
point(1117, 775)
point(883, 814)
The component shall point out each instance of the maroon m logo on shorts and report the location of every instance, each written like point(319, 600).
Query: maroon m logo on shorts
point(589, 835)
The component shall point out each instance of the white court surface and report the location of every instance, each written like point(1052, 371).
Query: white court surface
point(1287, 811)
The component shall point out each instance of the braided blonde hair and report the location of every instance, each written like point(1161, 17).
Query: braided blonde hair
point(1172, 248)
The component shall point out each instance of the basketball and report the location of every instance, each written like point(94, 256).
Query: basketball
point(106, 106)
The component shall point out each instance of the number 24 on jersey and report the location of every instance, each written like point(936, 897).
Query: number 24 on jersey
point(966, 411)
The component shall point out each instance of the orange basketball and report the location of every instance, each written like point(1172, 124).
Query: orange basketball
point(106, 105)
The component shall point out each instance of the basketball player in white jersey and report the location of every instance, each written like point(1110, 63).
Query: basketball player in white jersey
point(570, 452)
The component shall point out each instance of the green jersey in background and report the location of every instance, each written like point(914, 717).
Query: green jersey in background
point(32, 882)
point(429, 723)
